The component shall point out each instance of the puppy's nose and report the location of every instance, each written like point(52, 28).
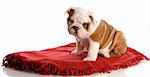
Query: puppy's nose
point(75, 28)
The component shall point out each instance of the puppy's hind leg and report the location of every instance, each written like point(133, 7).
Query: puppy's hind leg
point(105, 51)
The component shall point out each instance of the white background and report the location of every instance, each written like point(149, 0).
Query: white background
point(41, 24)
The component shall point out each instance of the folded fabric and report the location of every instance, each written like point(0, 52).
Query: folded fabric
point(59, 61)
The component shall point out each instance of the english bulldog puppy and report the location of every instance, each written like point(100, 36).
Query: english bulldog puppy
point(97, 36)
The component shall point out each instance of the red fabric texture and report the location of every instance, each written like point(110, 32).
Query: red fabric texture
point(58, 61)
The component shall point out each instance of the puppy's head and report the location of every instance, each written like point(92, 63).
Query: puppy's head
point(79, 22)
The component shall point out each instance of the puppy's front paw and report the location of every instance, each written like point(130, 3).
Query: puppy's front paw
point(75, 52)
point(89, 59)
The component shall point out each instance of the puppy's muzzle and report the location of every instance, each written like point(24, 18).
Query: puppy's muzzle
point(75, 28)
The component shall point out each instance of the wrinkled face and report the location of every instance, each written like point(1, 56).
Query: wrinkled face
point(79, 22)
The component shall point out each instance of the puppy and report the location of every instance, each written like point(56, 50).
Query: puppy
point(97, 37)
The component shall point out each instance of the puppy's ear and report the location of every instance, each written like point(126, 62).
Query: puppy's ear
point(70, 11)
point(91, 18)
point(90, 14)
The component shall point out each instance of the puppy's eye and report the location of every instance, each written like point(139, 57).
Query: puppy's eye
point(85, 25)
point(71, 21)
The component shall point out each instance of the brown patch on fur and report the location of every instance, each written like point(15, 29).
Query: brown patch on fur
point(105, 33)
point(69, 21)
point(70, 12)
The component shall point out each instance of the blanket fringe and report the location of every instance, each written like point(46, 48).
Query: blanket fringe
point(21, 63)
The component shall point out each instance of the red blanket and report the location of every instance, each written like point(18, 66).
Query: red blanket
point(58, 61)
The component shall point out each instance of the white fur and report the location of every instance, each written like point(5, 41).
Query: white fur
point(78, 49)
point(93, 51)
point(105, 51)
